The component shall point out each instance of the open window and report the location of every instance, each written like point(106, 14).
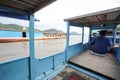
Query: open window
point(75, 35)
point(12, 44)
point(51, 42)
point(86, 35)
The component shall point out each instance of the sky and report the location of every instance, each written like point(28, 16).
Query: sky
point(54, 14)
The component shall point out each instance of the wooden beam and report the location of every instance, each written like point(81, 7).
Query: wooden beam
point(95, 14)
point(23, 4)
point(12, 10)
point(105, 22)
point(11, 5)
point(84, 20)
point(29, 2)
point(118, 17)
point(104, 17)
point(93, 19)
point(43, 4)
point(98, 18)
point(80, 21)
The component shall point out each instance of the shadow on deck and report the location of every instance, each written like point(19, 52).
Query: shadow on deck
point(106, 66)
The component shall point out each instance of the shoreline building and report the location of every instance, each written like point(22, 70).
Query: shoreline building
point(54, 34)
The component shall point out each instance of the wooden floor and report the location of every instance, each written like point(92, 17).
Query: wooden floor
point(107, 65)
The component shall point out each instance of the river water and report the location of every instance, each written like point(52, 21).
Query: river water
point(43, 48)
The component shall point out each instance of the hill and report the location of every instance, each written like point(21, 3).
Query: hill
point(52, 31)
point(74, 33)
point(15, 27)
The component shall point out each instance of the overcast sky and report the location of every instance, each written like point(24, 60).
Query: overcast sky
point(53, 15)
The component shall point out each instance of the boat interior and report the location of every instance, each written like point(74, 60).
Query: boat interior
point(78, 57)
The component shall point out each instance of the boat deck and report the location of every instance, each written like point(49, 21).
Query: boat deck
point(107, 66)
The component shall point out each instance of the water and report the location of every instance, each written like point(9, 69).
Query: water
point(43, 48)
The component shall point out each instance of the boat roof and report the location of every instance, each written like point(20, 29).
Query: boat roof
point(21, 8)
point(101, 17)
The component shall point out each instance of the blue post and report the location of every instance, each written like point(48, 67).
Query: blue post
point(82, 34)
point(53, 62)
point(31, 42)
point(114, 35)
point(90, 34)
point(67, 41)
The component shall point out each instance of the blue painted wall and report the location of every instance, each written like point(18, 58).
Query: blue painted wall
point(46, 66)
point(19, 69)
point(74, 49)
point(17, 34)
point(38, 35)
point(5, 33)
point(118, 55)
point(15, 70)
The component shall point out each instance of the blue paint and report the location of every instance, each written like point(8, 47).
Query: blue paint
point(30, 68)
point(17, 34)
point(38, 35)
point(74, 24)
point(59, 58)
point(55, 72)
point(41, 66)
point(82, 34)
point(17, 16)
point(17, 69)
point(46, 66)
point(6, 33)
point(107, 26)
point(86, 46)
point(31, 46)
point(13, 13)
point(67, 41)
point(74, 49)
point(118, 54)
point(114, 35)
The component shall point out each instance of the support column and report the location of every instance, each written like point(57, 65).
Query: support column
point(114, 34)
point(31, 43)
point(67, 40)
point(90, 34)
point(82, 34)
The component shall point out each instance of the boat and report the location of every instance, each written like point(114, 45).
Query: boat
point(75, 59)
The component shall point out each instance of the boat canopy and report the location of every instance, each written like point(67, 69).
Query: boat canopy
point(21, 8)
point(101, 17)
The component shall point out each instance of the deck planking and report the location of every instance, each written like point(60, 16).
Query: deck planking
point(107, 65)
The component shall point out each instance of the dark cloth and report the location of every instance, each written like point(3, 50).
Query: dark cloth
point(100, 44)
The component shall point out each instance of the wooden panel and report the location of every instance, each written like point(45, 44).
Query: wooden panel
point(32, 3)
point(11, 5)
point(107, 65)
point(112, 16)
point(93, 19)
point(25, 5)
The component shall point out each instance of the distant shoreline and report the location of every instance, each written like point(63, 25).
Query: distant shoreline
point(7, 40)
